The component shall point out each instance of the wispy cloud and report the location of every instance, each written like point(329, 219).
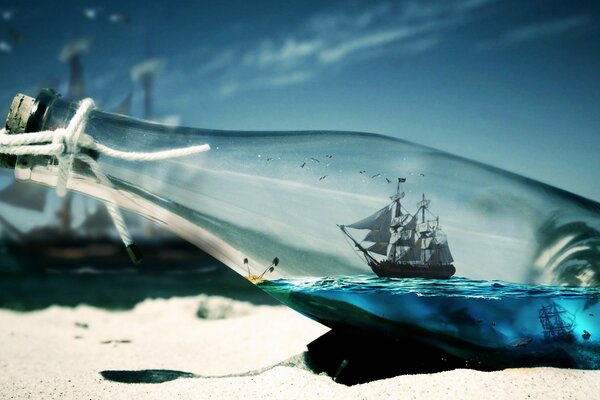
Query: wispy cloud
point(292, 52)
point(333, 40)
point(217, 63)
point(367, 41)
point(538, 30)
point(271, 81)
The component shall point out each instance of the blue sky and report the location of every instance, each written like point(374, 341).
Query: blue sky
point(511, 83)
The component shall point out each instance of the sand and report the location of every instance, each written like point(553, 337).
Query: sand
point(63, 352)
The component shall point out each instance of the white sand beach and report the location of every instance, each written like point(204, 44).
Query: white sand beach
point(63, 352)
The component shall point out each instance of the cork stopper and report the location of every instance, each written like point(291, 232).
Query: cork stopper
point(26, 114)
point(20, 110)
point(18, 115)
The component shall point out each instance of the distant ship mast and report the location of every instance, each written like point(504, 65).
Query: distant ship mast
point(71, 54)
point(145, 73)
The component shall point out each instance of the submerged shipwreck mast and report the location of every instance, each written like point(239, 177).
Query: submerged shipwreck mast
point(557, 323)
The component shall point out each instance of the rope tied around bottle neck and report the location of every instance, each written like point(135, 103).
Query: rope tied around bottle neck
point(65, 144)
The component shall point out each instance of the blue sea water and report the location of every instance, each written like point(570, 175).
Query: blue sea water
point(458, 314)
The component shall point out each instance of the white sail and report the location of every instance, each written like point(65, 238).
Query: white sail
point(405, 242)
point(375, 221)
point(383, 234)
point(413, 254)
point(379, 229)
point(399, 221)
point(440, 254)
point(427, 243)
point(444, 252)
point(411, 225)
point(406, 239)
point(379, 248)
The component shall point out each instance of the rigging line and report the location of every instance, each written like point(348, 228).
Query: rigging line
point(433, 215)
point(356, 250)
point(405, 209)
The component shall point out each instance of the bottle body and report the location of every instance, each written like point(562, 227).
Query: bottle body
point(307, 215)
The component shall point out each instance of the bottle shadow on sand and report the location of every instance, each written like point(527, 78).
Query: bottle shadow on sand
point(351, 359)
point(145, 375)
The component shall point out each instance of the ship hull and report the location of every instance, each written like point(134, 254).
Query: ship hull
point(389, 269)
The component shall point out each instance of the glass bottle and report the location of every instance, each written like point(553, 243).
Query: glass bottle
point(349, 228)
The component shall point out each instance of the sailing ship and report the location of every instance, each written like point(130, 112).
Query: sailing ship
point(69, 241)
point(558, 324)
point(410, 249)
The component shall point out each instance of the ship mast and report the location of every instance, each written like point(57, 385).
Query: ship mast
point(423, 205)
point(424, 231)
point(397, 214)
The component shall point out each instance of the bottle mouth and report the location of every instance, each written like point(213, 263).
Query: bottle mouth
point(26, 114)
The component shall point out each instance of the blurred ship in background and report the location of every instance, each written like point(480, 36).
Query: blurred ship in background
point(76, 234)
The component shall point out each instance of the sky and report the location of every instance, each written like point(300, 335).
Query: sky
point(514, 84)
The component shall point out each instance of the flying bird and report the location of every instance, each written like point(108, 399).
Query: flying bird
point(303, 164)
point(315, 160)
point(323, 177)
point(376, 175)
point(387, 180)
